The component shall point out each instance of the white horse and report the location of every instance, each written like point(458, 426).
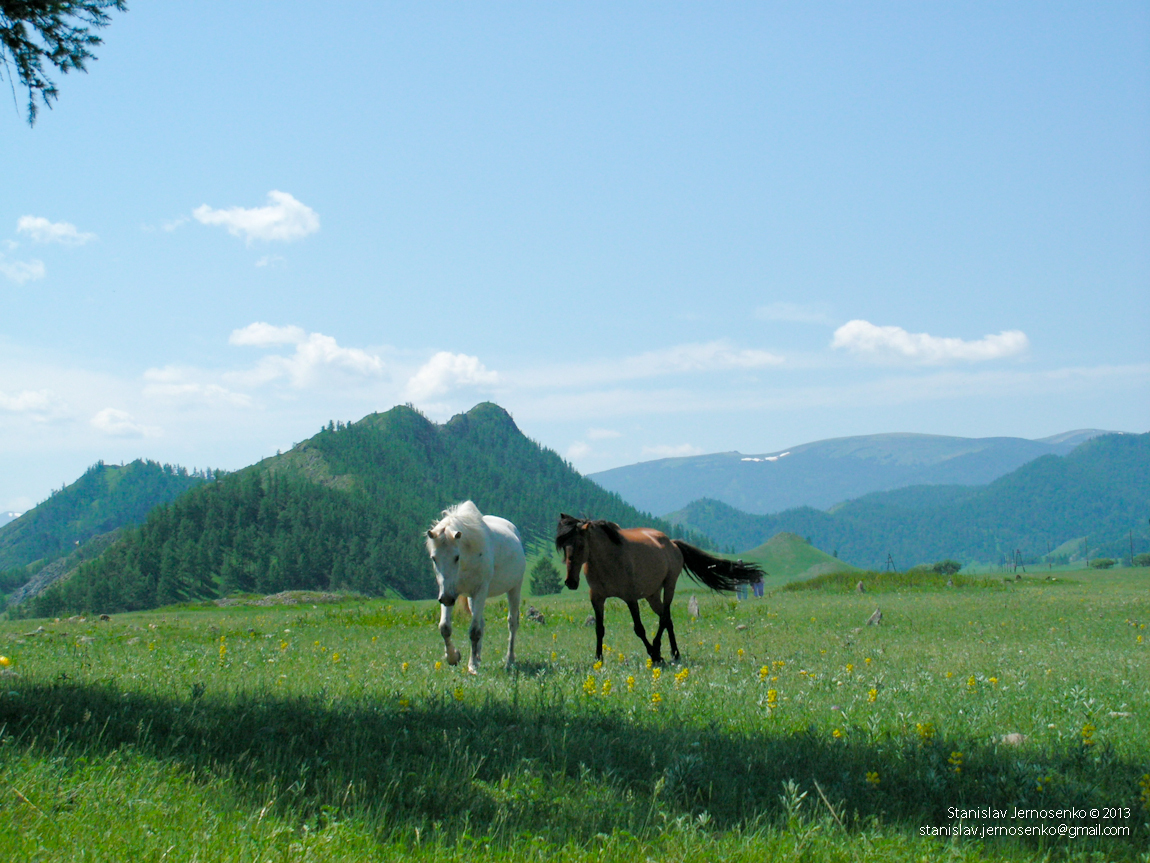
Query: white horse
point(476, 556)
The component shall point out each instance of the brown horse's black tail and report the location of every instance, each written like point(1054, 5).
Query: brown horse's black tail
point(717, 573)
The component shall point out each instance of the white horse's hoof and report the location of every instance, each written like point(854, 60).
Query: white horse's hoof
point(473, 669)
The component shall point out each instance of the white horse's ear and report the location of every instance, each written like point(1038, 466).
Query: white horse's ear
point(458, 534)
point(431, 533)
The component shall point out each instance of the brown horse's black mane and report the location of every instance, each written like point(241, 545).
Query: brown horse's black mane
point(569, 526)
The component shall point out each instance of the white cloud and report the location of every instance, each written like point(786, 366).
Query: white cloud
point(284, 219)
point(262, 335)
point(602, 434)
point(173, 384)
point(271, 261)
point(710, 356)
point(43, 231)
point(315, 356)
point(171, 224)
point(22, 271)
point(117, 423)
point(39, 405)
point(667, 451)
point(579, 449)
point(817, 313)
point(447, 371)
point(863, 337)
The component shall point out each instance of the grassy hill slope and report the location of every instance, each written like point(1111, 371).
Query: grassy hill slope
point(345, 509)
point(788, 557)
point(1101, 489)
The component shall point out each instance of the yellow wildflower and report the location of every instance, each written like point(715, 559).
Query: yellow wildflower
point(630, 683)
point(403, 666)
point(438, 665)
point(872, 695)
point(772, 698)
point(607, 687)
point(681, 677)
point(458, 693)
point(1088, 734)
point(656, 699)
point(872, 777)
point(598, 666)
point(955, 761)
point(850, 668)
point(656, 673)
point(763, 672)
point(5, 661)
point(589, 686)
point(837, 734)
point(925, 731)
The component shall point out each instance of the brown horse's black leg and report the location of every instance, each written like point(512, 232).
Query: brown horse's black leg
point(657, 607)
point(652, 651)
point(668, 595)
point(597, 605)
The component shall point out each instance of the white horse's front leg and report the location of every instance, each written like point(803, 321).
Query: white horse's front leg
point(476, 631)
point(451, 655)
point(512, 621)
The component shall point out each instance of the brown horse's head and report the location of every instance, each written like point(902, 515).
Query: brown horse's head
point(571, 542)
point(573, 538)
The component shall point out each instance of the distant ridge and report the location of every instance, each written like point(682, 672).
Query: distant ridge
point(1101, 490)
point(827, 472)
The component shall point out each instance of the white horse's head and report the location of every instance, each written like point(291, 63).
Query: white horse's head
point(454, 544)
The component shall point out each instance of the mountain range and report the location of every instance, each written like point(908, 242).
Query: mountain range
point(1100, 490)
point(828, 472)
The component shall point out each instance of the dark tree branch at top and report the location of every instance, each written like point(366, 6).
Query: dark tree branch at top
point(59, 31)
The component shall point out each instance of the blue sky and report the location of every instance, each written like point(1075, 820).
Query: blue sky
point(645, 229)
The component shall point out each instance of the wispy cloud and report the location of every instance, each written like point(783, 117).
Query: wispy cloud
point(22, 271)
point(283, 219)
point(579, 449)
point(667, 451)
point(689, 358)
point(177, 384)
point(263, 335)
point(863, 337)
point(445, 372)
point(117, 423)
point(39, 405)
point(799, 313)
point(315, 357)
point(40, 230)
point(602, 434)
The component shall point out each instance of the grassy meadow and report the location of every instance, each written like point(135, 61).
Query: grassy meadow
point(790, 730)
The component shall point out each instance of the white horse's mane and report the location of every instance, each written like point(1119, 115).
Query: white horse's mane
point(464, 517)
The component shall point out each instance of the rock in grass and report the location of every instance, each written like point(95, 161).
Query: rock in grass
point(875, 619)
point(860, 588)
point(535, 615)
point(693, 607)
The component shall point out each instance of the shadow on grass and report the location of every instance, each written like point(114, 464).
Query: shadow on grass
point(541, 766)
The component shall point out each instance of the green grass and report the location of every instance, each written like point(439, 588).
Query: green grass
point(327, 732)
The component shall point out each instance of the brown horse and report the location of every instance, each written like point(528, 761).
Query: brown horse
point(637, 563)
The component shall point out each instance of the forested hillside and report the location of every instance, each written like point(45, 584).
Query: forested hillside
point(106, 497)
point(344, 510)
point(1101, 489)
